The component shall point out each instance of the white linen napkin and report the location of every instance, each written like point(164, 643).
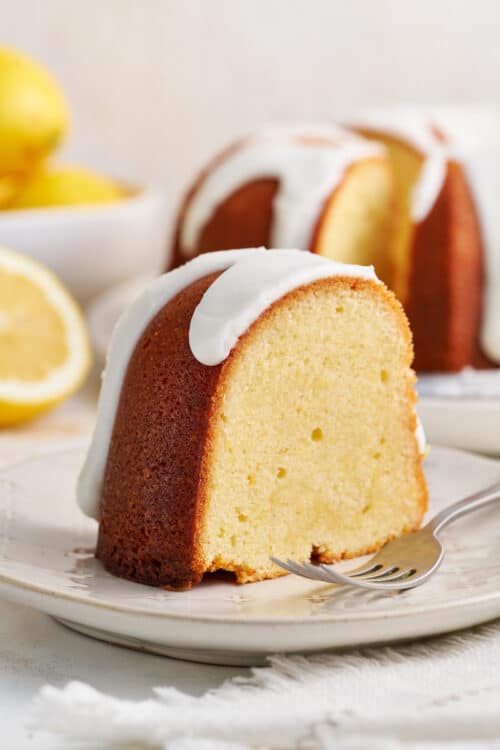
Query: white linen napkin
point(434, 695)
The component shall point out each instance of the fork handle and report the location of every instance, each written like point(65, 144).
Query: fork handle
point(467, 505)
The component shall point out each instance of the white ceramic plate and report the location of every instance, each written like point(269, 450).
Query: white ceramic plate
point(46, 562)
point(468, 423)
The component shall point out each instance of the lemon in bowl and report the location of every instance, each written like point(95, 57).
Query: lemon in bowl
point(33, 115)
point(91, 230)
point(65, 186)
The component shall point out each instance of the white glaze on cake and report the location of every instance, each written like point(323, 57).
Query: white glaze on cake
point(308, 171)
point(238, 297)
point(125, 336)
point(420, 133)
point(251, 281)
point(429, 184)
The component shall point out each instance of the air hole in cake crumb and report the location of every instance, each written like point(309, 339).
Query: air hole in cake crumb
point(222, 533)
point(317, 434)
point(233, 540)
point(339, 309)
point(377, 455)
point(242, 517)
point(382, 440)
point(250, 479)
point(384, 376)
point(367, 508)
point(281, 472)
point(223, 417)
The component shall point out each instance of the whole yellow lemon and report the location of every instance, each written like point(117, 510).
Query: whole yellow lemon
point(65, 186)
point(33, 113)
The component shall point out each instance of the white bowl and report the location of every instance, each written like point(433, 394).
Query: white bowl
point(92, 248)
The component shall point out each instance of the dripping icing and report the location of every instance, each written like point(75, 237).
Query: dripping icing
point(308, 162)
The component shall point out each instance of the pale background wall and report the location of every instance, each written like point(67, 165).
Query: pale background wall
point(156, 85)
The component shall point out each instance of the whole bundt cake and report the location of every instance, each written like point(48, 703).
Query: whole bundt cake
point(255, 403)
point(399, 201)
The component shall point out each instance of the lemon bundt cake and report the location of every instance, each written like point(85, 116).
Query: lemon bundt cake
point(405, 207)
point(254, 403)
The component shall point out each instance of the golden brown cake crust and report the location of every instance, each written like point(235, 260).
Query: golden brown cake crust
point(446, 280)
point(242, 220)
point(154, 492)
point(149, 506)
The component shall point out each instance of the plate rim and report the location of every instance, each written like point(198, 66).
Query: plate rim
point(9, 582)
point(320, 618)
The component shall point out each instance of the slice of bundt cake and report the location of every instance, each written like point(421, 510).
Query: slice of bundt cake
point(437, 247)
point(322, 189)
point(255, 403)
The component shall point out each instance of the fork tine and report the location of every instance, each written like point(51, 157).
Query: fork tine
point(288, 565)
point(381, 573)
point(322, 572)
point(332, 576)
point(314, 571)
point(400, 574)
point(387, 584)
point(393, 573)
point(369, 567)
point(388, 579)
point(299, 569)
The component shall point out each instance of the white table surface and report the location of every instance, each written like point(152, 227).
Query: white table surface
point(35, 650)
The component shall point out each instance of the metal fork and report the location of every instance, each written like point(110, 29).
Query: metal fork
point(405, 562)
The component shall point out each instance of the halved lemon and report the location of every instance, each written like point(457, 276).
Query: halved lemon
point(44, 345)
